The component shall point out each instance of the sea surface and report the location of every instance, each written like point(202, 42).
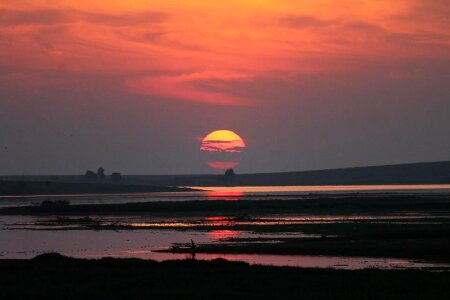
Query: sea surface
point(231, 193)
point(28, 236)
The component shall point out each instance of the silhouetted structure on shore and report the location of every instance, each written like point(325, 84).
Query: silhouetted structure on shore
point(100, 176)
point(229, 177)
point(89, 175)
point(116, 177)
point(101, 173)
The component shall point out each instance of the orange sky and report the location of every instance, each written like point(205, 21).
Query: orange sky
point(309, 84)
point(198, 50)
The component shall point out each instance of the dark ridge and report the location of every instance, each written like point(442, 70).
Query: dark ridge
point(52, 257)
point(17, 188)
point(412, 173)
point(415, 173)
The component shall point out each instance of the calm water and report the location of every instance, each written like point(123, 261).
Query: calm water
point(27, 236)
point(232, 193)
point(331, 188)
point(95, 244)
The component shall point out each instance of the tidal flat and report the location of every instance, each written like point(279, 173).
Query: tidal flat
point(414, 229)
point(263, 205)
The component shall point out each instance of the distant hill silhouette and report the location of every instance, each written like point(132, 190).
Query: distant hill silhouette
point(417, 173)
point(414, 173)
point(15, 188)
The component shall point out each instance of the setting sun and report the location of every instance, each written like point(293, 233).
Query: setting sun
point(222, 148)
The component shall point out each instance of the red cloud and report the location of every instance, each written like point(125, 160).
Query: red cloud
point(186, 87)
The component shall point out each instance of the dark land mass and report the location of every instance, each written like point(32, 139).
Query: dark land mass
point(412, 239)
point(414, 173)
point(17, 188)
point(51, 276)
point(311, 204)
point(417, 173)
point(430, 249)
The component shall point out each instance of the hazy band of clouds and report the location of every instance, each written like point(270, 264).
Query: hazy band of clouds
point(9, 17)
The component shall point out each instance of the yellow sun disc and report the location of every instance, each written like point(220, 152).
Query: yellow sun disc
point(222, 148)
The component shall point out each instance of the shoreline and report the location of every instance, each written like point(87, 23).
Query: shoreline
point(309, 204)
point(401, 226)
point(17, 189)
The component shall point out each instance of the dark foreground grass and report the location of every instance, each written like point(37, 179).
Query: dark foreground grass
point(56, 277)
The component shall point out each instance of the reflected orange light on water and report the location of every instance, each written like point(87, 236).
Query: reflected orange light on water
point(324, 188)
point(223, 234)
point(224, 195)
point(220, 221)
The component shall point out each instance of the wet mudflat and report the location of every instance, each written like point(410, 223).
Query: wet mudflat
point(343, 231)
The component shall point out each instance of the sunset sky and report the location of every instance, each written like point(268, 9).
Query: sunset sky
point(134, 86)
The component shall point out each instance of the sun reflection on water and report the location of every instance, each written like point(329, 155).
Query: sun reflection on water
point(224, 195)
point(219, 221)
